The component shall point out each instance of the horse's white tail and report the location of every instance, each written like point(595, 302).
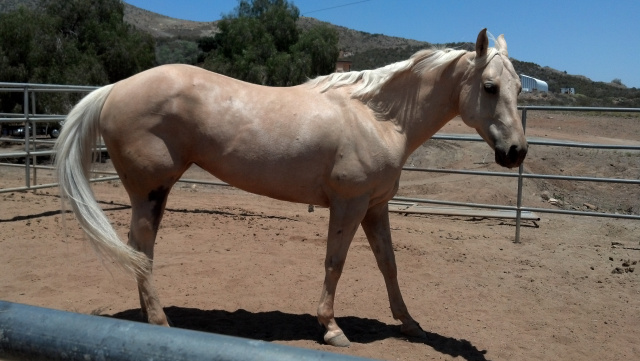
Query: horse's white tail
point(74, 151)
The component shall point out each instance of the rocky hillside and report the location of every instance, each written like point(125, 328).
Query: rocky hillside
point(367, 51)
point(160, 26)
point(354, 41)
point(351, 41)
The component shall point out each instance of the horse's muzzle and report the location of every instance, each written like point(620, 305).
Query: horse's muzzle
point(511, 157)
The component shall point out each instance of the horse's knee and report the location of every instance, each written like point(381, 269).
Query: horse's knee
point(334, 265)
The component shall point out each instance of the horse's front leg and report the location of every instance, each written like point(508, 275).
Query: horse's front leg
point(376, 226)
point(345, 215)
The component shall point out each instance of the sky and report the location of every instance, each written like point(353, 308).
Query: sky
point(599, 39)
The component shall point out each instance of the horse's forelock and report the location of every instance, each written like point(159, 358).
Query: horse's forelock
point(483, 61)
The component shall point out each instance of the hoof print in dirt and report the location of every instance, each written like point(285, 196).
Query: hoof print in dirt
point(627, 267)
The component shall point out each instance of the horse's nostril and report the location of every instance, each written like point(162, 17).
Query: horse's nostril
point(511, 157)
point(517, 153)
point(513, 154)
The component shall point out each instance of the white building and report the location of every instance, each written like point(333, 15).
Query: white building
point(530, 84)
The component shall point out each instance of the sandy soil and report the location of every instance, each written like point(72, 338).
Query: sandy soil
point(238, 264)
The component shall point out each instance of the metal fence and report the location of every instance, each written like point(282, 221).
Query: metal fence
point(520, 175)
point(29, 119)
point(29, 154)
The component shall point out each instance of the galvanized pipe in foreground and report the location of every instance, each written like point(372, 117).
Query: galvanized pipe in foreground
point(34, 333)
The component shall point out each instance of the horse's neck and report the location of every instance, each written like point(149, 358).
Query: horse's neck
point(419, 105)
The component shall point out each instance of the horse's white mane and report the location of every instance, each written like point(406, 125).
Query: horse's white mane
point(371, 81)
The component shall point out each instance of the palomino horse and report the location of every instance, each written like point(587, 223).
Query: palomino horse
point(338, 141)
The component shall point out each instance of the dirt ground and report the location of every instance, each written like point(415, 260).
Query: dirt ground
point(233, 263)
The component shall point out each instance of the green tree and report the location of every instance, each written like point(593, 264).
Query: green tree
point(177, 51)
point(320, 45)
point(97, 28)
point(260, 42)
point(16, 38)
point(82, 42)
point(617, 81)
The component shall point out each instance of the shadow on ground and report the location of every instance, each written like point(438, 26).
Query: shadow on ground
point(279, 326)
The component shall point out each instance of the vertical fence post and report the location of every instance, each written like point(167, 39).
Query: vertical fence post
point(35, 134)
point(27, 145)
point(520, 172)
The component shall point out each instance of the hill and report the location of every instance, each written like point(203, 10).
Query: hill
point(367, 51)
point(160, 26)
point(354, 41)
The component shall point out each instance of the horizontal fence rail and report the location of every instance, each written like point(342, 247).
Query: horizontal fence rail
point(34, 333)
point(30, 118)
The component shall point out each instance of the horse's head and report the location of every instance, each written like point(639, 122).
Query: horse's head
point(488, 101)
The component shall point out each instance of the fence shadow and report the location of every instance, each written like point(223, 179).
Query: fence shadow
point(53, 213)
point(280, 326)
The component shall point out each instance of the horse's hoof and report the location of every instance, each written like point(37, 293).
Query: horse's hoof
point(413, 330)
point(339, 340)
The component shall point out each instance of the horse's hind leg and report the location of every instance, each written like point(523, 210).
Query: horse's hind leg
point(376, 227)
point(146, 214)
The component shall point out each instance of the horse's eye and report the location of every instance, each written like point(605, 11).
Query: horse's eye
point(491, 88)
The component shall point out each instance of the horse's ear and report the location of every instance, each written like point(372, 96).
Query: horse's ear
point(501, 45)
point(482, 44)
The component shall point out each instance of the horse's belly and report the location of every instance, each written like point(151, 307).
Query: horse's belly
point(294, 179)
